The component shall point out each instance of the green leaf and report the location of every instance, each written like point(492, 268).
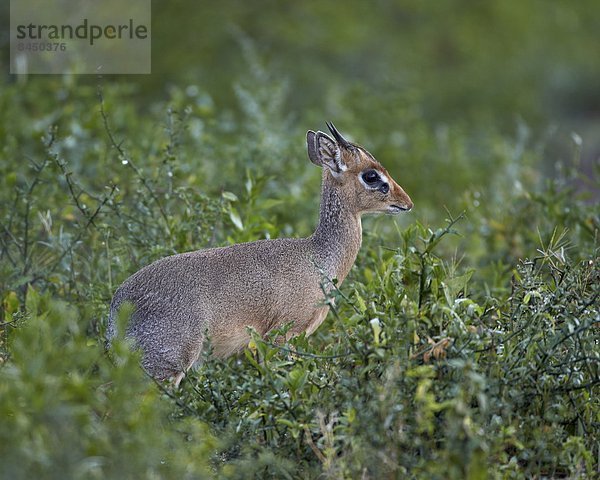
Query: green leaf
point(360, 302)
point(296, 379)
point(376, 327)
point(232, 197)
point(270, 203)
point(253, 362)
point(235, 218)
point(286, 422)
point(453, 286)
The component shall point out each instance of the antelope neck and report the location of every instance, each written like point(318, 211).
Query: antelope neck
point(338, 236)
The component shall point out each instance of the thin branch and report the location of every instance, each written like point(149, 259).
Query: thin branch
point(313, 447)
point(5, 246)
point(38, 171)
point(593, 383)
point(169, 393)
point(128, 161)
point(576, 331)
point(71, 185)
point(80, 234)
point(306, 354)
point(10, 322)
point(7, 228)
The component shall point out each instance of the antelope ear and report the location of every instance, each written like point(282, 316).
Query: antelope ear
point(323, 151)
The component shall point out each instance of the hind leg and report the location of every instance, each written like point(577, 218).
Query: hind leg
point(178, 378)
point(192, 359)
point(169, 348)
point(172, 363)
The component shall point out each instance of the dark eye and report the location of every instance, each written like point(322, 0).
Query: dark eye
point(370, 177)
point(385, 188)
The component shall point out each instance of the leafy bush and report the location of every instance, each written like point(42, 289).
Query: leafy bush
point(458, 348)
point(69, 412)
point(414, 377)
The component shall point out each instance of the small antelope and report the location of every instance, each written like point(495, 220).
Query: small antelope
point(217, 293)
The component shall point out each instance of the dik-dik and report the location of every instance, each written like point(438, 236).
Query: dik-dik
point(182, 300)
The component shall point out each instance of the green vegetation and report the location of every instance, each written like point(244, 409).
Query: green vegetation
point(464, 343)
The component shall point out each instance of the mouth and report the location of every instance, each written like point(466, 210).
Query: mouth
point(396, 209)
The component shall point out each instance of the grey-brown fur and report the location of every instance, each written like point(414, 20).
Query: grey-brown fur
point(219, 292)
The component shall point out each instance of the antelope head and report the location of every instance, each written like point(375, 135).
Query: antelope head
point(365, 184)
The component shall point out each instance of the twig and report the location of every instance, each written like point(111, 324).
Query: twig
point(128, 161)
point(10, 322)
point(306, 354)
point(170, 394)
point(5, 246)
point(576, 331)
point(313, 447)
point(80, 234)
point(71, 185)
point(584, 386)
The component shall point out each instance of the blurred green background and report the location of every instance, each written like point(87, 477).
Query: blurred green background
point(392, 62)
point(491, 108)
point(433, 89)
point(450, 61)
